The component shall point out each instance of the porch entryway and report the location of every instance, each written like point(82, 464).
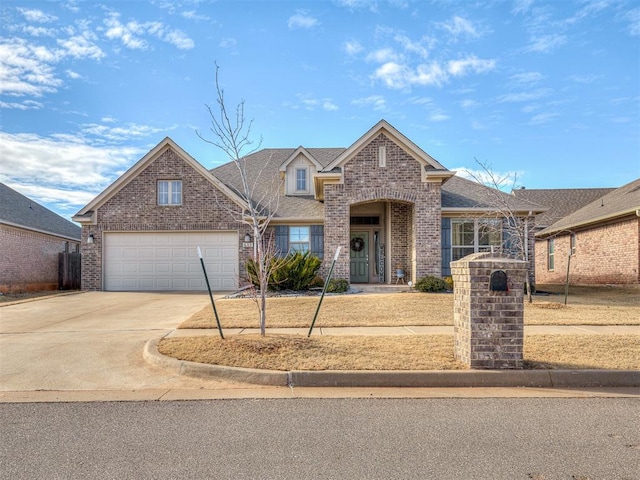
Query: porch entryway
point(380, 241)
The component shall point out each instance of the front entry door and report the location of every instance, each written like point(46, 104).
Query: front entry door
point(359, 254)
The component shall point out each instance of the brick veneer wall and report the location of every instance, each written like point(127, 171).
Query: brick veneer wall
point(607, 254)
point(415, 231)
point(135, 208)
point(29, 260)
point(488, 325)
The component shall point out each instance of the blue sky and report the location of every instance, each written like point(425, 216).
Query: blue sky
point(549, 91)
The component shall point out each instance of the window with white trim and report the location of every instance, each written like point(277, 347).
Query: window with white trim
point(169, 192)
point(301, 180)
point(299, 239)
point(574, 243)
point(470, 235)
point(551, 254)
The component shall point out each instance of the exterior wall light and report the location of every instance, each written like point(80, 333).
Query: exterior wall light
point(90, 238)
point(247, 238)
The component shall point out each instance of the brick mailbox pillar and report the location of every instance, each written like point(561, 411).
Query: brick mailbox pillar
point(488, 310)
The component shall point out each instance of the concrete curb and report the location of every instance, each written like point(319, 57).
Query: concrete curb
point(398, 378)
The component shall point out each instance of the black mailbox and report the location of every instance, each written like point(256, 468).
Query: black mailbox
point(498, 281)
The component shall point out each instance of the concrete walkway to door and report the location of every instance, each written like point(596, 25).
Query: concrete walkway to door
point(92, 341)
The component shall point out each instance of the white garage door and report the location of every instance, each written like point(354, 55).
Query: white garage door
point(169, 261)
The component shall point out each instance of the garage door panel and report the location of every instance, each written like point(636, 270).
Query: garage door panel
point(169, 260)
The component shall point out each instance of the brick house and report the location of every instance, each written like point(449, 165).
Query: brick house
point(602, 237)
point(387, 203)
point(31, 237)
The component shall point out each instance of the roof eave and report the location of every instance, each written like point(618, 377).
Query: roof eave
point(588, 223)
point(38, 230)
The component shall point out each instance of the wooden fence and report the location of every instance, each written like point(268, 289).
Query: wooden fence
point(69, 273)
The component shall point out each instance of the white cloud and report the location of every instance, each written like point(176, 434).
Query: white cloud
point(25, 105)
point(505, 181)
point(33, 15)
point(72, 74)
point(308, 102)
point(328, 105)
point(26, 69)
point(228, 42)
point(131, 34)
point(398, 76)
point(302, 20)
point(193, 15)
point(66, 170)
point(414, 47)
point(633, 17)
point(542, 118)
point(383, 55)
point(472, 63)
point(352, 47)
point(460, 27)
point(546, 43)
point(469, 103)
point(38, 31)
point(377, 102)
point(524, 96)
point(586, 79)
point(79, 46)
point(358, 4)
point(522, 6)
point(120, 133)
point(438, 117)
point(527, 77)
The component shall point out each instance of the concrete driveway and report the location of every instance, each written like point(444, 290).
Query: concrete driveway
point(92, 341)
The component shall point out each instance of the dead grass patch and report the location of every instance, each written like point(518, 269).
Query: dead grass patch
point(296, 352)
point(397, 309)
point(419, 352)
point(616, 352)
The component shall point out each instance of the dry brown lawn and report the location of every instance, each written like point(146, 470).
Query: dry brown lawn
point(586, 306)
point(419, 352)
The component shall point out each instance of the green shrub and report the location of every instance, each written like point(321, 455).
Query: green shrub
point(431, 284)
point(296, 271)
point(338, 285)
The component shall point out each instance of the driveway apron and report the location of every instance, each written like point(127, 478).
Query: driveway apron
point(92, 341)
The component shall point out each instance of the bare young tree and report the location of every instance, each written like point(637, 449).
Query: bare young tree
point(516, 227)
point(259, 190)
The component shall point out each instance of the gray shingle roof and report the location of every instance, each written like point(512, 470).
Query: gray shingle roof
point(621, 201)
point(457, 192)
point(16, 209)
point(560, 201)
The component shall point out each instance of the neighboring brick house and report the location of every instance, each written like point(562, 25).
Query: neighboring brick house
point(387, 203)
point(603, 238)
point(31, 237)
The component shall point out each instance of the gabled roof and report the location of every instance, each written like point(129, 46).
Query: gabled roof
point(385, 127)
point(86, 213)
point(560, 201)
point(460, 195)
point(300, 151)
point(621, 202)
point(265, 165)
point(19, 211)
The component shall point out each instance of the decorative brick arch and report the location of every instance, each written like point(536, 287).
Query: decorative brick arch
point(382, 194)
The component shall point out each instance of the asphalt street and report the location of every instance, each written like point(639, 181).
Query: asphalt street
point(526, 438)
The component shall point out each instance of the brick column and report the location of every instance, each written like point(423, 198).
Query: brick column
point(488, 325)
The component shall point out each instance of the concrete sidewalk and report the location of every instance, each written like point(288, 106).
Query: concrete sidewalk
point(417, 330)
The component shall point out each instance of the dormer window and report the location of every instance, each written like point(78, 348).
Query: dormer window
point(301, 180)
